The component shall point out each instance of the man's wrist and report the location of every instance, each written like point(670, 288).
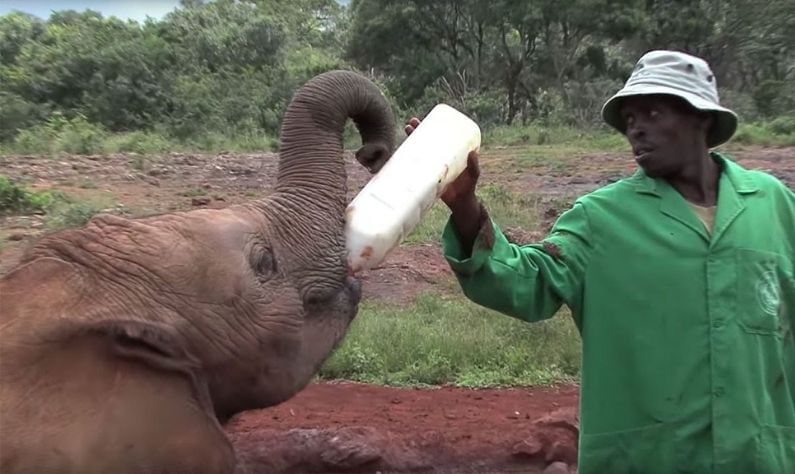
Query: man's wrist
point(466, 205)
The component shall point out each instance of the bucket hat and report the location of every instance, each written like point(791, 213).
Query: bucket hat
point(681, 75)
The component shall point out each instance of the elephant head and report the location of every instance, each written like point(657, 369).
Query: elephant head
point(245, 302)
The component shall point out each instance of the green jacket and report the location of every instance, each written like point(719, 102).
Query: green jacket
point(688, 349)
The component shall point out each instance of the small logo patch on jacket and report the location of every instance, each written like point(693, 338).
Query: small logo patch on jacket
point(768, 292)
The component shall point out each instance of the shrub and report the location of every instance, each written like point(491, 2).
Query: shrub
point(14, 199)
point(60, 134)
point(776, 132)
point(773, 97)
point(137, 142)
point(16, 114)
point(783, 126)
point(66, 214)
point(62, 211)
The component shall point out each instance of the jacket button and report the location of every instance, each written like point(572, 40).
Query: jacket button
point(717, 323)
point(719, 392)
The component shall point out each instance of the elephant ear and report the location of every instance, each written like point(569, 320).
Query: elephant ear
point(156, 346)
point(62, 309)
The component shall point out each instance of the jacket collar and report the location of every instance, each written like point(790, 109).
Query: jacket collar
point(735, 182)
point(740, 178)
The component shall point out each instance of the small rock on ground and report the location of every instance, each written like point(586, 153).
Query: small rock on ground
point(557, 468)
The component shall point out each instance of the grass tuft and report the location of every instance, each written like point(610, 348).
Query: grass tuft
point(450, 340)
point(507, 208)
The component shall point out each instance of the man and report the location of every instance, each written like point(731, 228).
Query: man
point(680, 279)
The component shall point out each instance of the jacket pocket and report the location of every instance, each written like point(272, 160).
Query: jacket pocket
point(775, 450)
point(641, 450)
point(761, 277)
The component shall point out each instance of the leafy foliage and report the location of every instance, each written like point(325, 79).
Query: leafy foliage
point(62, 211)
point(574, 52)
point(15, 199)
point(225, 67)
point(59, 134)
point(223, 71)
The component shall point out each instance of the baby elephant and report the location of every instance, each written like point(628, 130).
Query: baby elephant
point(126, 344)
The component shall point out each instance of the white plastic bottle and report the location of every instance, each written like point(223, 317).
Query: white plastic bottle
point(396, 199)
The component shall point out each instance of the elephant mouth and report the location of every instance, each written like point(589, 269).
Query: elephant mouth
point(354, 287)
point(344, 301)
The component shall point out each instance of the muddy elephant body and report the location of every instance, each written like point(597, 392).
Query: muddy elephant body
point(125, 344)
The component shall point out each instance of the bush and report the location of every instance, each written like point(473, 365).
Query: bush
point(79, 137)
point(742, 103)
point(249, 142)
point(60, 134)
point(14, 199)
point(62, 212)
point(68, 214)
point(749, 134)
point(766, 134)
point(774, 98)
point(783, 126)
point(584, 100)
point(16, 113)
point(35, 140)
point(140, 142)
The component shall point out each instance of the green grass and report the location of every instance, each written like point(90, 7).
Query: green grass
point(59, 135)
point(140, 142)
point(218, 142)
point(507, 208)
point(553, 138)
point(78, 136)
point(779, 132)
point(558, 140)
point(449, 340)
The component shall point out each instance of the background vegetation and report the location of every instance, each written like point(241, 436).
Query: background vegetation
point(218, 75)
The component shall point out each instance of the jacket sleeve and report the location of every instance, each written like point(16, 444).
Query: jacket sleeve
point(529, 282)
point(789, 285)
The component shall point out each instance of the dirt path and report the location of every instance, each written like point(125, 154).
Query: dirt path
point(350, 427)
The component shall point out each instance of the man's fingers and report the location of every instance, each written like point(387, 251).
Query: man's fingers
point(413, 123)
point(472, 164)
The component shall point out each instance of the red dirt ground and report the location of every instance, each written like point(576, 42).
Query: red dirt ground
point(345, 427)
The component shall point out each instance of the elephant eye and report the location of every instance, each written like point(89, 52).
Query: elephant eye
point(263, 262)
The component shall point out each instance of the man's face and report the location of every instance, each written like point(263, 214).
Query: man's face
point(665, 133)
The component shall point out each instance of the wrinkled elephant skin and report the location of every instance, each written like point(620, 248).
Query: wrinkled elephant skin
point(125, 344)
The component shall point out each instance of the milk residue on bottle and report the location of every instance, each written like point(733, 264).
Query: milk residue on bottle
point(396, 199)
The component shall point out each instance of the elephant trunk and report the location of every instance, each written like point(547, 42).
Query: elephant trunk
point(311, 186)
point(311, 137)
